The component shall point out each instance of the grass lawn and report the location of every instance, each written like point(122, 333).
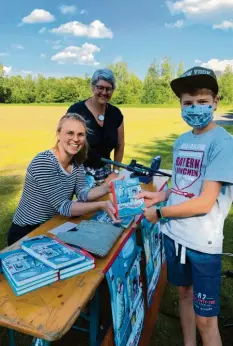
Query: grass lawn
point(25, 131)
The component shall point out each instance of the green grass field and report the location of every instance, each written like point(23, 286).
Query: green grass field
point(25, 131)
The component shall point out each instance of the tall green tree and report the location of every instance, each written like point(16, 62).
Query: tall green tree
point(180, 70)
point(226, 85)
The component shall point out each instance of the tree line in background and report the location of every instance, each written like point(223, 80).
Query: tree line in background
point(154, 89)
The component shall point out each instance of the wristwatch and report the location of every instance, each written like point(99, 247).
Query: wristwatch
point(159, 213)
point(116, 171)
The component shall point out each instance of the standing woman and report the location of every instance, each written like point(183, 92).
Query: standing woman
point(106, 124)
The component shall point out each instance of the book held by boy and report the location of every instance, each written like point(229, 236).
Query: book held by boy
point(125, 199)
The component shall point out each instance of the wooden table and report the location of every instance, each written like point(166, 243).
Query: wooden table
point(49, 312)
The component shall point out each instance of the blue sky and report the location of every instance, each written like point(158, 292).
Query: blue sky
point(58, 38)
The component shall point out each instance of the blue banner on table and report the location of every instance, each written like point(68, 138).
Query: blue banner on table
point(124, 280)
point(152, 249)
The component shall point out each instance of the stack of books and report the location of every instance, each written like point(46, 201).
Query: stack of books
point(42, 261)
point(58, 255)
point(25, 273)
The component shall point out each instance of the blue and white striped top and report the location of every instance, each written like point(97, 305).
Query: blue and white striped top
point(49, 190)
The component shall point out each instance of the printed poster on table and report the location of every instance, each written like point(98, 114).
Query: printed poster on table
point(152, 249)
point(125, 287)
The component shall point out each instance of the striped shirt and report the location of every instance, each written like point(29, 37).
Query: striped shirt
point(49, 190)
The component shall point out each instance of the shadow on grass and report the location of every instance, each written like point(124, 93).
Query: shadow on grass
point(162, 147)
point(227, 119)
point(9, 187)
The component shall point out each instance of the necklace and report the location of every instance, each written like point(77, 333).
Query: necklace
point(101, 117)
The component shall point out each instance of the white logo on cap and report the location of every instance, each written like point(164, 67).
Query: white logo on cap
point(201, 72)
point(187, 74)
point(195, 72)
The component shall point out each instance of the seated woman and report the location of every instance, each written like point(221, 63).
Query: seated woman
point(53, 177)
point(106, 123)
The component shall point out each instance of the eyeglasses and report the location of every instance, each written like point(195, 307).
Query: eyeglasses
point(101, 88)
point(72, 135)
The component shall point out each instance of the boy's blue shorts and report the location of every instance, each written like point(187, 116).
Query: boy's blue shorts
point(202, 271)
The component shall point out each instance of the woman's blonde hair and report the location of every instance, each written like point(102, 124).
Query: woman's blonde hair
point(81, 156)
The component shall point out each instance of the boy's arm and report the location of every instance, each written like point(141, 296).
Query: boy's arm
point(195, 206)
point(152, 198)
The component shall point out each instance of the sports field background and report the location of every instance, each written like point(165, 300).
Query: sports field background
point(27, 130)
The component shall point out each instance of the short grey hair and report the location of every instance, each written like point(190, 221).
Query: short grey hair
point(103, 74)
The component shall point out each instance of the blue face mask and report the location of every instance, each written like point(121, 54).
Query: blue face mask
point(198, 116)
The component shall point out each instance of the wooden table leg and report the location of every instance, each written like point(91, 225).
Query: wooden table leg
point(11, 334)
point(94, 319)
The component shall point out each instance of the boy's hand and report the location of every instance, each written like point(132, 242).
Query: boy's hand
point(151, 215)
point(152, 198)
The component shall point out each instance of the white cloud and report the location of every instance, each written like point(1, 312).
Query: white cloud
point(17, 46)
point(43, 56)
point(65, 9)
point(83, 55)
point(218, 65)
point(199, 7)
point(4, 54)
point(42, 30)
point(179, 24)
point(225, 25)
point(7, 69)
point(38, 16)
point(83, 12)
point(197, 61)
point(96, 29)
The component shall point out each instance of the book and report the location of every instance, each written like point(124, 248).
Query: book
point(65, 227)
point(77, 271)
point(125, 199)
point(23, 268)
point(23, 290)
point(93, 236)
point(52, 252)
point(101, 216)
point(88, 261)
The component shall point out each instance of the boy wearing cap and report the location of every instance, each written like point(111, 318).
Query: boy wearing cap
point(197, 205)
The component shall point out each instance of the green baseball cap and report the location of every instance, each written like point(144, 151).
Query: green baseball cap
point(196, 77)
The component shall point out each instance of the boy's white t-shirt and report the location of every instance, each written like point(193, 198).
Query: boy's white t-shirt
point(197, 158)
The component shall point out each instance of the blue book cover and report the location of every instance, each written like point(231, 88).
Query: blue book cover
point(125, 199)
point(101, 216)
point(77, 271)
point(52, 252)
point(23, 290)
point(88, 261)
point(22, 268)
